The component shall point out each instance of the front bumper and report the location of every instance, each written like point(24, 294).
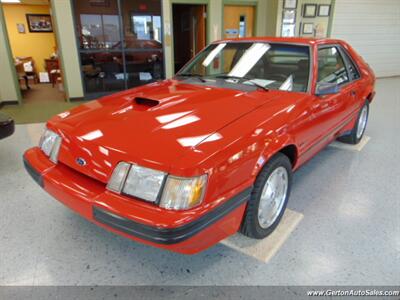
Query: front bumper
point(181, 231)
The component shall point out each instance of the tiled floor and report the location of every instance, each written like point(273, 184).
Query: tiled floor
point(39, 104)
point(42, 92)
point(349, 235)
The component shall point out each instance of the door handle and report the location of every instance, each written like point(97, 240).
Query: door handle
point(353, 93)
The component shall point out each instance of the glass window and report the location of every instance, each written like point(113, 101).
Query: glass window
point(120, 43)
point(99, 31)
point(144, 60)
point(331, 67)
point(351, 66)
point(274, 66)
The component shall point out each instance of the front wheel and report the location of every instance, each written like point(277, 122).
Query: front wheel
point(358, 130)
point(269, 198)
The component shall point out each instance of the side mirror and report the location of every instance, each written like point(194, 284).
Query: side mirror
point(327, 88)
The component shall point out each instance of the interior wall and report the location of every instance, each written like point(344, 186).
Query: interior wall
point(8, 83)
point(38, 45)
point(322, 22)
point(271, 17)
point(63, 23)
point(214, 22)
point(373, 29)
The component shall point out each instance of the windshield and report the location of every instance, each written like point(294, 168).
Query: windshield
point(255, 64)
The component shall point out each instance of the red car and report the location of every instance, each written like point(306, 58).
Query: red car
point(184, 163)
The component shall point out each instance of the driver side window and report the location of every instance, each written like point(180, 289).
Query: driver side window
point(331, 66)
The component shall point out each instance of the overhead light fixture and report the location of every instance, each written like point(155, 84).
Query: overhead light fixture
point(10, 1)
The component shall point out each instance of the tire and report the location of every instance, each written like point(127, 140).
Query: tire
point(252, 225)
point(357, 132)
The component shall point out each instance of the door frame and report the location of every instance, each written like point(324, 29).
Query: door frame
point(7, 43)
point(10, 59)
point(254, 4)
point(208, 25)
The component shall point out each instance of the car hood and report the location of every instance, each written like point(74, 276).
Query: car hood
point(153, 125)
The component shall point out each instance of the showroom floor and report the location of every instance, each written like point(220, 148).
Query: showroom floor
point(349, 233)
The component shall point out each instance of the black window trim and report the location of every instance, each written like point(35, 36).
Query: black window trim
point(347, 61)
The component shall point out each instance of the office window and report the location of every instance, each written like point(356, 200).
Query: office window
point(120, 44)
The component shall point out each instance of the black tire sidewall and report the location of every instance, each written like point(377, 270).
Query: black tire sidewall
point(256, 230)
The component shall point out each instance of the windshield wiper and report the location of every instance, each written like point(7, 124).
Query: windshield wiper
point(197, 76)
point(242, 79)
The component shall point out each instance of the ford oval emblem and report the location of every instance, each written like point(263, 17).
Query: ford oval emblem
point(80, 161)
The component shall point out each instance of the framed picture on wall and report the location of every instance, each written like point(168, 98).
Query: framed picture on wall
point(289, 16)
point(290, 4)
point(309, 10)
point(39, 23)
point(288, 30)
point(324, 10)
point(308, 28)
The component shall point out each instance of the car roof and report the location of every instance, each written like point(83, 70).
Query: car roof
point(290, 40)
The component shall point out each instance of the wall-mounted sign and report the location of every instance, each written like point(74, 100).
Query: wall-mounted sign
point(21, 28)
point(290, 4)
point(324, 10)
point(308, 28)
point(309, 10)
point(231, 31)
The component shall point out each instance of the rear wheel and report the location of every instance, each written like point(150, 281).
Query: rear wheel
point(358, 130)
point(269, 198)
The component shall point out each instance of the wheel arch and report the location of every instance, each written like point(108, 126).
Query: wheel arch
point(288, 149)
point(291, 152)
point(370, 96)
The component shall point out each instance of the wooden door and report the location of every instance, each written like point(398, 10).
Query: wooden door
point(238, 21)
point(198, 28)
point(189, 27)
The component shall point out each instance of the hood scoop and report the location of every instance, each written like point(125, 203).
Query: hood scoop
point(145, 103)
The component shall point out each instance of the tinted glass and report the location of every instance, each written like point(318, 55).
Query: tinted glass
point(274, 66)
point(119, 43)
point(331, 67)
point(351, 66)
point(143, 41)
point(100, 46)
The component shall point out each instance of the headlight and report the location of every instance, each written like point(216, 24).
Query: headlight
point(155, 186)
point(144, 183)
point(50, 143)
point(183, 193)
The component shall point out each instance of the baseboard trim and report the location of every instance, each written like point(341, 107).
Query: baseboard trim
point(4, 103)
point(76, 99)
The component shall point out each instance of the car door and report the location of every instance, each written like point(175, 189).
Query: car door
point(325, 113)
point(353, 87)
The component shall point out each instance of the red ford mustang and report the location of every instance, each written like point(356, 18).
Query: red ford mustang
point(183, 163)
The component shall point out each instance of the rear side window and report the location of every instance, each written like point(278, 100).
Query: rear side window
point(351, 66)
point(331, 66)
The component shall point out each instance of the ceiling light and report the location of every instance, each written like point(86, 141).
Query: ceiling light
point(10, 1)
